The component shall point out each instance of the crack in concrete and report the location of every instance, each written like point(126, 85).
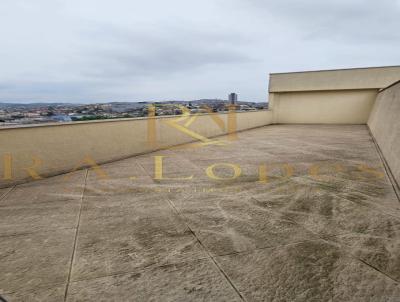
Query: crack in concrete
point(76, 237)
point(207, 252)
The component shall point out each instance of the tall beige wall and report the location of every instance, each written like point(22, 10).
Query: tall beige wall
point(61, 148)
point(331, 97)
point(384, 124)
point(323, 107)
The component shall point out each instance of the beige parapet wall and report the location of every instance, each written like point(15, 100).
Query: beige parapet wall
point(384, 124)
point(340, 79)
point(331, 97)
point(61, 148)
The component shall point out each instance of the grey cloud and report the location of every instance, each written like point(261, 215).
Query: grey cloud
point(124, 53)
point(136, 50)
point(44, 90)
point(356, 21)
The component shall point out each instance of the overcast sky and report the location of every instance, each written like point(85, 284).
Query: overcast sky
point(131, 50)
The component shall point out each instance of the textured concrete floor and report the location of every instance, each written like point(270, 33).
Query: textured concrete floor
point(323, 224)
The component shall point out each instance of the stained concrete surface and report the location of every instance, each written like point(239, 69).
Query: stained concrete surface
point(319, 221)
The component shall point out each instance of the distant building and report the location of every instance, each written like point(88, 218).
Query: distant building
point(233, 97)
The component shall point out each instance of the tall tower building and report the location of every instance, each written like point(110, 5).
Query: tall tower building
point(233, 97)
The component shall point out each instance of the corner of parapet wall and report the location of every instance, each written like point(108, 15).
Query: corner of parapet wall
point(384, 126)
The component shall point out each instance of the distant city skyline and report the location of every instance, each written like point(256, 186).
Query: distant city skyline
point(22, 102)
point(98, 51)
point(14, 114)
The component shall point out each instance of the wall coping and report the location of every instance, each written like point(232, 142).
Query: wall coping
point(390, 86)
point(335, 69)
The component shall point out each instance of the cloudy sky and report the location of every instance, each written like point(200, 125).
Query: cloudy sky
point(131, 50)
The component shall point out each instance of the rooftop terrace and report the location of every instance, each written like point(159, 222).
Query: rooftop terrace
point(313, 216)
point(296, 203)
